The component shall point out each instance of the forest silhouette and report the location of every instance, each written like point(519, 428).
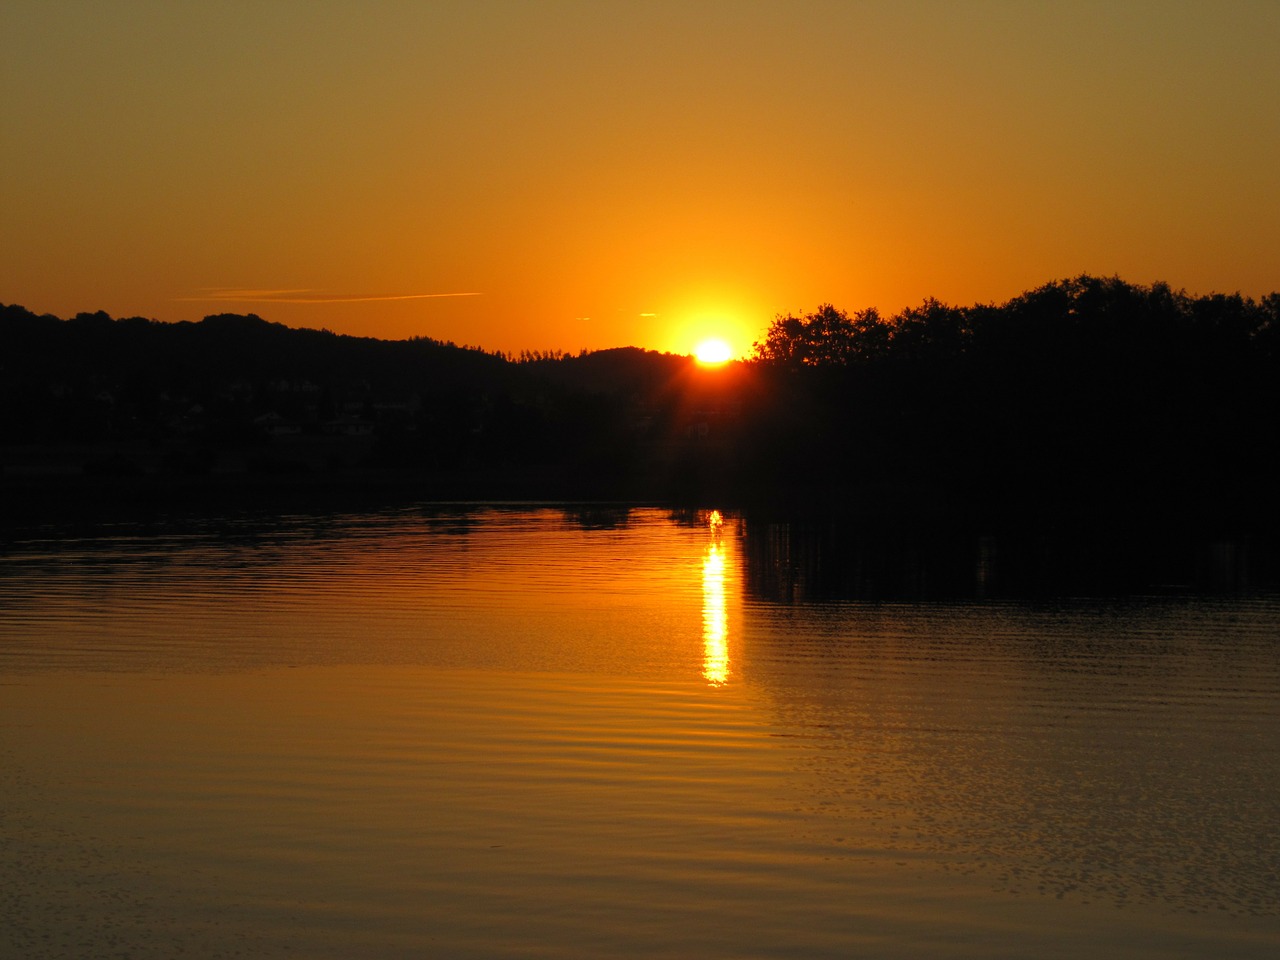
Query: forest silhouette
point(1089, 400)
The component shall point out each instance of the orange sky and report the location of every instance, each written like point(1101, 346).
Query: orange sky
point(568, 175)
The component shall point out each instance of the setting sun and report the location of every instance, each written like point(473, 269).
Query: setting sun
point(712, 351)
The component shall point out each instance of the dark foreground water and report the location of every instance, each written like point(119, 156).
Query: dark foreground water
point(522, 732)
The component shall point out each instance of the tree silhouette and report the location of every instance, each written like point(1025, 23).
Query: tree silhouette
point(1084, 397)
point(824, 338)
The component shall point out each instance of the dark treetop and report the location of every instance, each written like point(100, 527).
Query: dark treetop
point(1086, 400)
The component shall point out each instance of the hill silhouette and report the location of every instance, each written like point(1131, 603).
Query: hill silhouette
point(1083, 400)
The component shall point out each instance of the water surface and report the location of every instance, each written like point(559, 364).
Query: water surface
point(514, 732)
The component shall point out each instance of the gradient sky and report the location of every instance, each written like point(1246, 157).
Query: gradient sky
point(568, 175)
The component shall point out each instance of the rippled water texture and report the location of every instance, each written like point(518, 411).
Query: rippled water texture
point(483, 732)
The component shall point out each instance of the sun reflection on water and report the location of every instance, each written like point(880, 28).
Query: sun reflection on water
point(715, 612)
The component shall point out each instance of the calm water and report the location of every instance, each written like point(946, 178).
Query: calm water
point(582, 733)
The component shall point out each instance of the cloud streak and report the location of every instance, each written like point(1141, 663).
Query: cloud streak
point(225, 295)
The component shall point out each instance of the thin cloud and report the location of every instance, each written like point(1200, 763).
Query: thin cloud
point(220, 295)
point(648, 314)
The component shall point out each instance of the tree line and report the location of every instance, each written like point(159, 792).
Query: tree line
point(1092, 393)
point(1082, 399)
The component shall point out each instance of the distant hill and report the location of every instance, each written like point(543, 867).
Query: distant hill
point(224, 346)
point(1084, 401)
point(233, 397)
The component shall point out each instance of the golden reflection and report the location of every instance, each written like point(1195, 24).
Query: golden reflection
point(715, 613)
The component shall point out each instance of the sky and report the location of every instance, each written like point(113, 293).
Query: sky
point(565, 175)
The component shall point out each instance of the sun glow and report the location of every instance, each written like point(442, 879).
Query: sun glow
point(713, 351)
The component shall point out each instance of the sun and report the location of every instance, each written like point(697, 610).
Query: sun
point(712, 351)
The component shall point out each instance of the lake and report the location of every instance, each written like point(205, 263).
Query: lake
point(584, 731)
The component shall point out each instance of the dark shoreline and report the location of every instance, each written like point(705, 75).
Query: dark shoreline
point(1083, 405)
point(818, 548)
point(31, 498)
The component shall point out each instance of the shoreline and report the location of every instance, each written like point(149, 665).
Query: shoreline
point(31, 497)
